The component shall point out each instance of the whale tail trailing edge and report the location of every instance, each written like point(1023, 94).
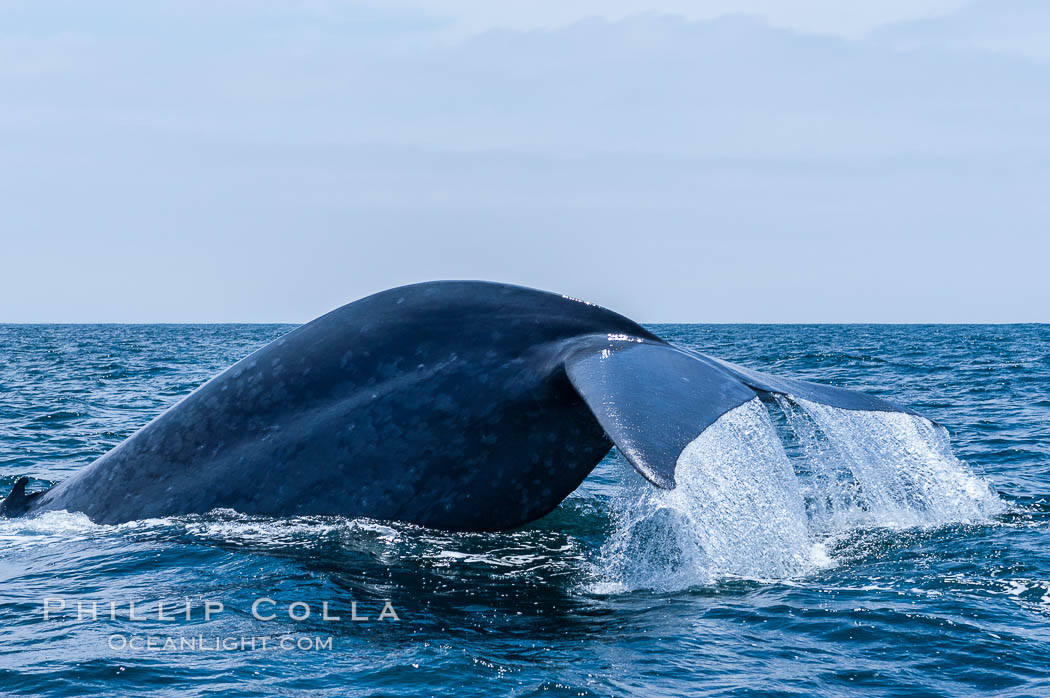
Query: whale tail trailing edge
point(654, 399)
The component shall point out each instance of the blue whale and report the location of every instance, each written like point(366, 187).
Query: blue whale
point(461, 405)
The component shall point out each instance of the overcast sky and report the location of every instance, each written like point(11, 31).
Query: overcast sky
point(194, 160)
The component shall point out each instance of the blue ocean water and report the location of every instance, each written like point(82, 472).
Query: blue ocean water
point(807, 550)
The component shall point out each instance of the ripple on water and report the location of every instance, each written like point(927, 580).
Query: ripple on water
point(807, 550)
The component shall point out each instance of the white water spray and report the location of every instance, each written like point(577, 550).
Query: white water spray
point(745, 508)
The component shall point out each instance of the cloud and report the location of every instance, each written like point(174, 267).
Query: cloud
point(219, 162)
point(821, 16)
point(727, 87)
point(1010, 27)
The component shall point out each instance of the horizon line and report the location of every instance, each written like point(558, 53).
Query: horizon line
point(646, 322)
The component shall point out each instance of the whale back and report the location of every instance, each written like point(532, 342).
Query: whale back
point(456, 405)
point(444, 404)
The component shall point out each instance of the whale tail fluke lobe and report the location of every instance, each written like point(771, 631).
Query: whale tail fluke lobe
point(460, 405)
point(829, 395)
point(654, 399)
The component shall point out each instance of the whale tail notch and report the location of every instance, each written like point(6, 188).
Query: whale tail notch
point(654, 399)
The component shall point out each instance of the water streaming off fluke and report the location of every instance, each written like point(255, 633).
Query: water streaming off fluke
point(763, 491)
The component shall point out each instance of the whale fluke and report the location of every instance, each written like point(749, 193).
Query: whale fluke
point(653, 400)
point(829, 395)
point(453, 404)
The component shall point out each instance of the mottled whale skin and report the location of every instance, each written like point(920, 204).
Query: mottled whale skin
point(459, 405)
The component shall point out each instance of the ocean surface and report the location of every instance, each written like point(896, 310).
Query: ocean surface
point(807, 550)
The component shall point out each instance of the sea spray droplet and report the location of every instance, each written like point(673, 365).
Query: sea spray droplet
point(903, 467)
point(737, 511)
point(745, 508)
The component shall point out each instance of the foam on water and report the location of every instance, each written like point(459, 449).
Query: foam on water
point(337, 540)
point(49, 528)
point(765, 493)
point(761, 503)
